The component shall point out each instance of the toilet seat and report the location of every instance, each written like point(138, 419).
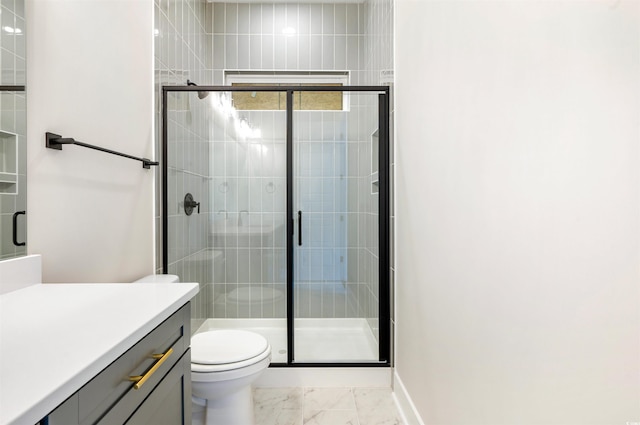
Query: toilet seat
point(225, 349)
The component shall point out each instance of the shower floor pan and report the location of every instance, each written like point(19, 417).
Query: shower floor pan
point(316, 340)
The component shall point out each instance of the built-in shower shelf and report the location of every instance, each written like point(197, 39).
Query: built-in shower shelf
point(375, 184)
point(8, 163)
point(8, 178)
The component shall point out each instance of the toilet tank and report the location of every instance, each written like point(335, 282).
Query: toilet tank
point(159, 278)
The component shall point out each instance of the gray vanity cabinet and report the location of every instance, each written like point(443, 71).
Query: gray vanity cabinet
point(168, 401)
point(148, 384)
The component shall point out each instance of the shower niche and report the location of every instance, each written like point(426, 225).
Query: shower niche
point(291, 240)
point(8, 163)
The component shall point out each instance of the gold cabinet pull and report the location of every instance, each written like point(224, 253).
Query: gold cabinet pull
point(141, 379)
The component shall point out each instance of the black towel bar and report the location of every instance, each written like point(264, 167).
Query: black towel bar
point(55, 141)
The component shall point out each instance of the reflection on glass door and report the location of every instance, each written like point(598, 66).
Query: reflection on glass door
point(13, 128)
point(336, 245)
point(232, 162)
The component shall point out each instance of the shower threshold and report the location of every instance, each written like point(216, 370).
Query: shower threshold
point(316, 340)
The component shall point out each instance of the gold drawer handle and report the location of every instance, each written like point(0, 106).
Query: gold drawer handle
point(141, 379)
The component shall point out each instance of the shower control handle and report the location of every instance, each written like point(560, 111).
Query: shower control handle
point(190, 204)
point(299, 228)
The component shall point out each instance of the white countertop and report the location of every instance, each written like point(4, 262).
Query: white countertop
point(56, 337)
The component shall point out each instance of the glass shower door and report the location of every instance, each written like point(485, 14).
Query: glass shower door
point(227, 151)
point(335, 237)
point(279, 208)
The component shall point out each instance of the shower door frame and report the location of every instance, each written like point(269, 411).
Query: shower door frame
point(384, 296)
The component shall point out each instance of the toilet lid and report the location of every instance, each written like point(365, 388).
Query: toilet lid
point(226, 346)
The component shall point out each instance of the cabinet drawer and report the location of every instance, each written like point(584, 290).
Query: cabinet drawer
point(112, 385)
point(170, 402)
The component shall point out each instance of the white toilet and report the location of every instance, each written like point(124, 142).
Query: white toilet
point(224, 364)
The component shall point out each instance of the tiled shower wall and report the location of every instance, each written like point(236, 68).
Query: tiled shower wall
point(13, 130)
point(327, 37)
point(180, 45)
point(321, 193)
point(199, 41)
point(248, 204)
point(250, 37)
point(378, 69)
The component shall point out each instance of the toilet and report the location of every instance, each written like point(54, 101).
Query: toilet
point(224, 364)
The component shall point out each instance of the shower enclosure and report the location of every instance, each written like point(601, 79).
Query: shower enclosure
point(275, 199)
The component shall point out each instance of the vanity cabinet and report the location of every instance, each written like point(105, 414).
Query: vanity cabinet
point(148, 384)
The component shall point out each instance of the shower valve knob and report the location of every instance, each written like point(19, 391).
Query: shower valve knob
point(190, 204)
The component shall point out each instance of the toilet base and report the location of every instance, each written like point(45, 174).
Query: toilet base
point(233, 409)
point(198, 411)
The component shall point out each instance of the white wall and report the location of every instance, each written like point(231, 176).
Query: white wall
point(90, 77)
point(518, 291)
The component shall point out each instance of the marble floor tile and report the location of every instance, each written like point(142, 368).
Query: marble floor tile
point(375, 406)
point(283, 398)
point(330, 417)
point(325, 406)
point(278, 406)
point(278, 416)
point(328, 399)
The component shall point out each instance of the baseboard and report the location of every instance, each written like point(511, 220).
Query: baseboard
point(366, 377)
point(408, 411)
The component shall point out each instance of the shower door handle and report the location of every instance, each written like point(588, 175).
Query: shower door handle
point(15, 228)
point(299, 228)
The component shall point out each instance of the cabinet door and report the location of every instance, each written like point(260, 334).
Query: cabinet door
point(65, 414)
point(170, 401)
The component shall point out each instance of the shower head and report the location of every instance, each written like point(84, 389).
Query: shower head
point(201, 94)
